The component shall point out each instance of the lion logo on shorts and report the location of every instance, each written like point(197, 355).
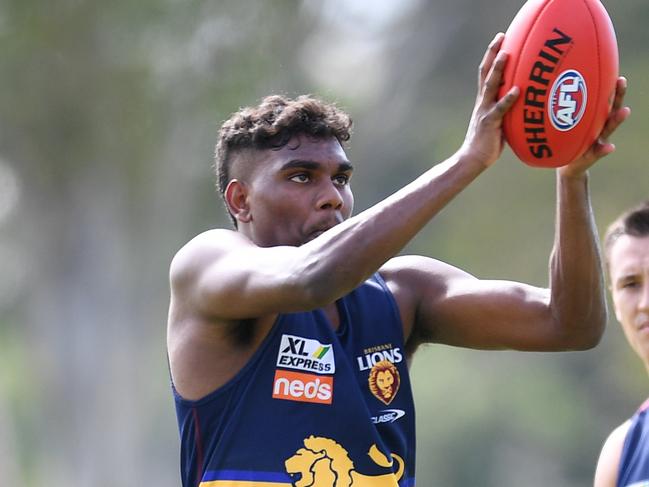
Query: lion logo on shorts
point(324, 463)
point(384, 381)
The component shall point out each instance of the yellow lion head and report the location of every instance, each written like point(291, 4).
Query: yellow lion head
point(321, 462)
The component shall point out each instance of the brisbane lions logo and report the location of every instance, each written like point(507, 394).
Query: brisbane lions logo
point(384, 381)
point(324, 463)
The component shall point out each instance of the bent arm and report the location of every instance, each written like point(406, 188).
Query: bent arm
point(456, 308)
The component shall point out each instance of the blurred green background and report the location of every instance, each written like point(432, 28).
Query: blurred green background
point(108, 116)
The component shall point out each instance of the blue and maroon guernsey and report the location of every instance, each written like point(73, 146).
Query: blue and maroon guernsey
point(634, 462)
point(313, 406)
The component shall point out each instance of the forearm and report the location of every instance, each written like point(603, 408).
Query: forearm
point(347, 254)
point(578, 300)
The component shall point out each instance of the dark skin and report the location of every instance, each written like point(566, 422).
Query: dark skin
point(297, 248)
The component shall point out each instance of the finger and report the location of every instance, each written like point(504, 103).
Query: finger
point(620, 92)
point(618, 113)
point(595, 152)
point(505, 103)
point(601, 149)
point(489, 56)
point(615, 119)
point(495, 76)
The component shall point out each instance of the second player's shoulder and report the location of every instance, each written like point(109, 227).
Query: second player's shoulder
point(618, 435)
point(608, 464)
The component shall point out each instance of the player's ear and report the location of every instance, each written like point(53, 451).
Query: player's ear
point(236, 197)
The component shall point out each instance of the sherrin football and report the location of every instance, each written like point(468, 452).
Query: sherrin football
point(563, 56)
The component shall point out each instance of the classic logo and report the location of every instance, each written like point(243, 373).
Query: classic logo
point(384, 381)
point(306, 354)
point(388, 416)
point(297, 386)
point(373, 355)
point(323, 462)
point(568, 99)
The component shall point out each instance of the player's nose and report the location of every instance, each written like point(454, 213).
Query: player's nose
point(644, 298)
point(329, 197)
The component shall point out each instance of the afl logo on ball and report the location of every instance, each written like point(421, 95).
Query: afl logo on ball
point(567, 100)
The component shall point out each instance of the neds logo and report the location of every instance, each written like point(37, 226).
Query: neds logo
point(306, 354)
point(568, 99)
point(296, 386)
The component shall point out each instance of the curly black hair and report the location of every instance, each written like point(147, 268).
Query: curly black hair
point(272, 124)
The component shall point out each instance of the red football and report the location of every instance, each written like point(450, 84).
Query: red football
point(563, 56)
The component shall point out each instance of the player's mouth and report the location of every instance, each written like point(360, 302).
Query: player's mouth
point(642, 322)
point(315, 234)
point(321, 228)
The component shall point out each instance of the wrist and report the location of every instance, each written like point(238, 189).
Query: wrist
point(465, 156)
point(570, 174)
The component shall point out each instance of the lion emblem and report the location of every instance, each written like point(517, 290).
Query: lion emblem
point(384, 381)
point(324, 463)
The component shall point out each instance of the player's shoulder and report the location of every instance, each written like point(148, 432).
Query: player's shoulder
point(203, 248)
point(213, 240)
point(412, 278)
point(416, 269)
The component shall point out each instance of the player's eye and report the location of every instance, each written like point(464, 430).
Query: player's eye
point(629, 284)
point(341, 179)
point(300, 178)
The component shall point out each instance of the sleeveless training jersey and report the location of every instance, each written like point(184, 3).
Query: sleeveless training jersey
point(634, 462)
point(313, 406)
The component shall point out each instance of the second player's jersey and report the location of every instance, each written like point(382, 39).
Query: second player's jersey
point(634, 462)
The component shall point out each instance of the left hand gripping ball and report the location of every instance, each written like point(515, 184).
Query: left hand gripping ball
point(563, 56)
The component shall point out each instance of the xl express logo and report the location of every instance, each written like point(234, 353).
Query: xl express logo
point(306, 354)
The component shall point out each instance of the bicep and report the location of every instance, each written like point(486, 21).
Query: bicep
point(490, 314)
point(223, 275)
point(455, 308)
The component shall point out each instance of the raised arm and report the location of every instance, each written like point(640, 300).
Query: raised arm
point(578, 300)
point(225, 275)
point(454, 307)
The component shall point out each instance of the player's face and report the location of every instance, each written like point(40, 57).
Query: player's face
point(299, 191)
point(629, 270)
